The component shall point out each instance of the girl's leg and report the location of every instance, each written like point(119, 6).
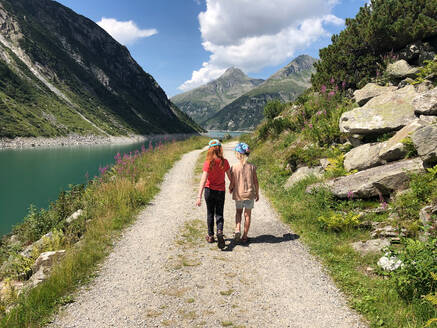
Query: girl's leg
point(210, 206)
point(219, 206)
point(238, 213)
point(247, 216)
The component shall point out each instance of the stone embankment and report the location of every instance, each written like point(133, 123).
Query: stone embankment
point(77, 140)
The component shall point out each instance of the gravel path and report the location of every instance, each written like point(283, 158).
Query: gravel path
point(163, 274)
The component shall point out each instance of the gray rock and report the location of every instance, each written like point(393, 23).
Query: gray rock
point(425, 86)
point(302, 173)
point(371, 182)
point(388, 112)
point(428, 119)
point(393, 149)
point(417, 53)
point(426, 103)
point(387, 232)
point(43, 265)
point(363, 157)
point(425, 141)
point(370, 246)
point(371, 90)
point(74, 216)
point(426, 214)
point(324, 163)
point(27, 252)
point(400, 70)
point(389, 263)
point(405, 82)
point(355, 140)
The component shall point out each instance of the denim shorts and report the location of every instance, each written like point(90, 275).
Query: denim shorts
point(239, 204)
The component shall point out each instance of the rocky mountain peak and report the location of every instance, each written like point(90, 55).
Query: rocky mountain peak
point(297, 65)
point(234, 73)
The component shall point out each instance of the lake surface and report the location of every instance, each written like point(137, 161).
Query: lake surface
point(37, 176)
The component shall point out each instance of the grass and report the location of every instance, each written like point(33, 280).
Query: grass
point(111, 202)
point(226, 292)
point(372, 295)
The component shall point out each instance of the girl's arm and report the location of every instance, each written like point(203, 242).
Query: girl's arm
point(255, 180)
point(231, 180)
point(201, 187)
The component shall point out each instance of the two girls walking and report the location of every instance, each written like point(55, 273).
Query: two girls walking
point(243, 186)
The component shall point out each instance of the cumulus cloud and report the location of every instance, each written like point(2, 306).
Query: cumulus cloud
point(124, 32)
point(254, 34)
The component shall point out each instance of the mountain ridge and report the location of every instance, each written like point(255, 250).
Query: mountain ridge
point(204, 101)
point(71, 76)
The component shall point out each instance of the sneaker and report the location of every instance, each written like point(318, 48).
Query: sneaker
point(237, 236)
point(221, 240)
point(209, 239)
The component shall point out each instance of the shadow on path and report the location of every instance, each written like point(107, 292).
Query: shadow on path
point(261, 239)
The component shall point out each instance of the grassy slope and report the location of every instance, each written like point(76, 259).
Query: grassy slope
point(110, 205)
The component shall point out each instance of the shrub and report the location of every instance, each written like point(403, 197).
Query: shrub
point(339, 221)
point(425, 71)
point(414, 279)
point(273, 109)
point(410, 149)
point(357, 53)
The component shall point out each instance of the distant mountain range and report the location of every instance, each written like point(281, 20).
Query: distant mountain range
point(245, 111)
point(60, 73)
point(205, 101)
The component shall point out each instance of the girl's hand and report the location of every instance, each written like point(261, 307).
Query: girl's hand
point(198, 201)
point(257, 198)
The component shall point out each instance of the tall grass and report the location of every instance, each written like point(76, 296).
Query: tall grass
point(110, 203)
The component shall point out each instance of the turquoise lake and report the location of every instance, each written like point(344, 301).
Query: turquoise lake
point(37, 176)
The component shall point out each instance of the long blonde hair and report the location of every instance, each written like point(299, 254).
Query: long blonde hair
point(242, 157)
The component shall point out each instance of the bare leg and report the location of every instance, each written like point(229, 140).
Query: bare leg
point(238, 214)
point(247, 216)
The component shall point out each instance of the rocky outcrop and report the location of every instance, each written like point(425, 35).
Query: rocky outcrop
point(426, 103)
point(387, 112)
point(370, 246)
point(425, 141)
point(43, 266)
point(400, 70)
point(372, 182)
point(363, 157)
point(302, 173)
point(371, 90)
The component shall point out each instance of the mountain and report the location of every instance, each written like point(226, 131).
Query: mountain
point(60, 73)
point(206, 100)
point(246, 112)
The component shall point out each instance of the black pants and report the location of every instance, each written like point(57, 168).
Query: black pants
point(215, 202)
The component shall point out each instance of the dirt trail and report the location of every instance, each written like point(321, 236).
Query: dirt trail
point(163, 274)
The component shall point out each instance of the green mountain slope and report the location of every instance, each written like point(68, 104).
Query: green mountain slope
point(60, 73)
point(205, 101)
point(246, 112)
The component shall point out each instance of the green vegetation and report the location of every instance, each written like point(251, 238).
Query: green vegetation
point(361, 50)
point(110, 203)
point(426, 71)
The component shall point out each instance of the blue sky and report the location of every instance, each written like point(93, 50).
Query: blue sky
point(182, 50)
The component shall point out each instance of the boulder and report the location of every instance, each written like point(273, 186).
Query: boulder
point(393, 149)
point(428, 119)
point(387, 232)
point(400, 70)
point(324, 163)
point(27, 252)
point(425, 86)
point(370, 246)
point(355, 140)
point(389, 263)
point(302, 173)
point(372, 182)
point(371, 90)
point(43, 265)
point(74, 216)
point(388, 112)
point(363, 157)
point(425, 141)
point(426, 103)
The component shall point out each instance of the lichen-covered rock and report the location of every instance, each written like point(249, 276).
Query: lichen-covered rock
point(387, 112)
point(394, 148)
point(74, 216)
point(400, 70)
point(370, 246)
point(425, 141)
point(302, 173)
point(372, 182)
point(426, 103)
point(371, 90)
point(363, 157)
point(43, 265)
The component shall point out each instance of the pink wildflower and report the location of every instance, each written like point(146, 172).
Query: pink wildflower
point(323, 88)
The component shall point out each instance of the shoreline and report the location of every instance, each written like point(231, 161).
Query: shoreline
point(80, 140)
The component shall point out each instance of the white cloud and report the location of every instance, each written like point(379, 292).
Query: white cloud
point(252, 35)
point(124, 32)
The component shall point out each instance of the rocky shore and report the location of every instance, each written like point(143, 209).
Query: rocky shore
point(77, 140)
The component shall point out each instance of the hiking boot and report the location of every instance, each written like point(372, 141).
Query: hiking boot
point(209, 239)
point(221, 240)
